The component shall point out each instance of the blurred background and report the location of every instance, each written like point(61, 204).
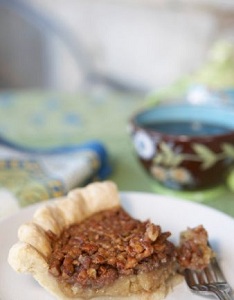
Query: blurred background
point(126, 45)
point(74, 71)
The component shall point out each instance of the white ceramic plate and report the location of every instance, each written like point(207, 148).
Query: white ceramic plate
point(171, 213)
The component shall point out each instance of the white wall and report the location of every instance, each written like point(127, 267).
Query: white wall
point(144, 43)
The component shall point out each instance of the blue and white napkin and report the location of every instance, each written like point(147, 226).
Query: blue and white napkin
point(29, 175)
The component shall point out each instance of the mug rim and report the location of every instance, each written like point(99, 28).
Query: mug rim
point(134, 120)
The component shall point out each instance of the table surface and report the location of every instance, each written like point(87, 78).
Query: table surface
point(45, 119)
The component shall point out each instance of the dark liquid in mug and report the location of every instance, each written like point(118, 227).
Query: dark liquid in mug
point(188, 128)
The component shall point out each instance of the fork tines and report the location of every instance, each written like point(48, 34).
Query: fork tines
point(208, 281)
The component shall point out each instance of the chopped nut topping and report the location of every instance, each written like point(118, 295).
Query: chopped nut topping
point(194, 252)
point(95, 252)
point(152, 231)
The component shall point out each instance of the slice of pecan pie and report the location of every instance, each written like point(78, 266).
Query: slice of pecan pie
point(86, 246)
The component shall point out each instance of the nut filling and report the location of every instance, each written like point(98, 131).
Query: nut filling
point(194, 252)
point(106, 246)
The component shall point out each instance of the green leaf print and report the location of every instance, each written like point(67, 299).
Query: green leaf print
point(167, 152)
point(208, 158)
point(167, 157)
point(177, 160)
point(228, 150)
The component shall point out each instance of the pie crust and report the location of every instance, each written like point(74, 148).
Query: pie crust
point(31, 253)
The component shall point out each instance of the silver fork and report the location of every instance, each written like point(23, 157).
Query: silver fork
point(209, 281)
